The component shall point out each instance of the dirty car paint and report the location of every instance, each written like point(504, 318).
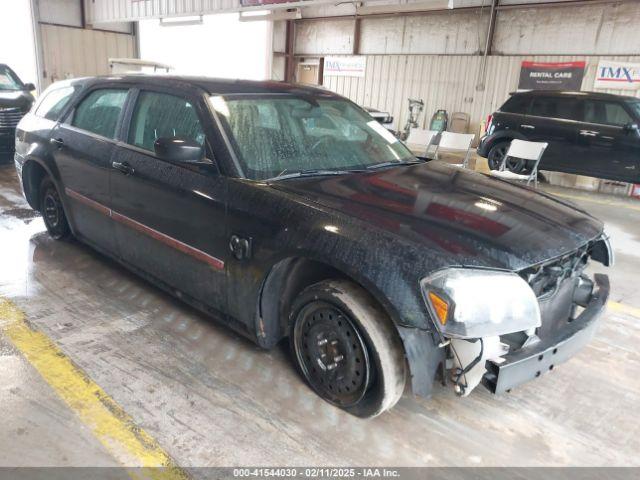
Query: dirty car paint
point(385, 230)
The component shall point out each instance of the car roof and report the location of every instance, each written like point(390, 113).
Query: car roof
point(573, 94)
point(210, 85)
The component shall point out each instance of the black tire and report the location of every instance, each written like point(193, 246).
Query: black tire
point(496, 154)
point(52, 211)
point(356, 360)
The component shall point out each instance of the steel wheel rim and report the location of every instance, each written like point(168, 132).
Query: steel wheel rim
point(51, 210)
point(332, 354)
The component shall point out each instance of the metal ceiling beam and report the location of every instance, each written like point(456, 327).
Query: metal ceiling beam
point(519, 6)
point(102, 11)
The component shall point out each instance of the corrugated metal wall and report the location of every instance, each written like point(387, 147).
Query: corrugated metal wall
point(123, 10)
point(126, 10)
point(447, 82)
point(75, 52)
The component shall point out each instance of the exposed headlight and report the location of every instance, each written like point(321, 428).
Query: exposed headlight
point(474, 303)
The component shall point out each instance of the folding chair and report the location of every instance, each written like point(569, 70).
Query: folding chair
point(532, 151)
point(420, 140)
point(460, 142)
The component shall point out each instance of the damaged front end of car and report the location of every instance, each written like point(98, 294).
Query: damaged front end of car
point(503, 328)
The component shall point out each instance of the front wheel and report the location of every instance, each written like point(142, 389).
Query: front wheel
point(346, 348)
point(52, 211)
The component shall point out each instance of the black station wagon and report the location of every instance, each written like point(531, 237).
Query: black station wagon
point(288, 211)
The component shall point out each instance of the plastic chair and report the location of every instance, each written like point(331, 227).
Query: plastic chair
point(420, 140)
point(532, 151)
point(460, 142)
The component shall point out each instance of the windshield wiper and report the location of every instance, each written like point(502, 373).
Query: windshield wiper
point(312, 172)
point(393, 164)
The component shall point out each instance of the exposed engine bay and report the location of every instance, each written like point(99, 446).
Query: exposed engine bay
point(563, 292)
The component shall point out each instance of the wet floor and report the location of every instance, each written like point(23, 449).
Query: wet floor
point(211, 398)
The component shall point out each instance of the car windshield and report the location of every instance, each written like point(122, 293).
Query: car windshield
point(635, 106)
point(9, 80)
point(288, 135)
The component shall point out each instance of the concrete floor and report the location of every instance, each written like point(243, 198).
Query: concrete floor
point(211, 398)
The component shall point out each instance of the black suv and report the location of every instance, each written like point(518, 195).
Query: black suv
point(15, 102)
point(288, 211)
point(594, 134)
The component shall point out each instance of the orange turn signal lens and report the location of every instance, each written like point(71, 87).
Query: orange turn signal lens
point(440, 306)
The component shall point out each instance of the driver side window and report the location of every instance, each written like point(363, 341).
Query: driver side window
point(159, 115)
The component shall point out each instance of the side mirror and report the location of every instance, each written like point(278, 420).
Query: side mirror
point(631, 127)
point(179, 149)
point(29, 87)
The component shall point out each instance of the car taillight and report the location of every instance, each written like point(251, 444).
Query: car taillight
point(488, 124)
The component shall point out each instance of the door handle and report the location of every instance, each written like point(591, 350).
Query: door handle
point(528, 127)
point(588, 133)
point(123, 167)
point(58, 142)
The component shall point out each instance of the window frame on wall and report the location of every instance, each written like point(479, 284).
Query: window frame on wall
point(81, 21)
point(48, 7)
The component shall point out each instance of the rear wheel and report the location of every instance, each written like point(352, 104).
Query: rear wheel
point(496, 155)
point(516, 165)
point(52, 211)
point(346, 348)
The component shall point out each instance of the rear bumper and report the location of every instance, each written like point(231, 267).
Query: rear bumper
point(531, 362)
point(484, 146)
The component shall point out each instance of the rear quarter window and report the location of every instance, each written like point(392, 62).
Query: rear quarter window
point(516, 104)
point(52, 104)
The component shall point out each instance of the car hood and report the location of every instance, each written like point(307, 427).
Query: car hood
point(16, 99)
point(468, 218)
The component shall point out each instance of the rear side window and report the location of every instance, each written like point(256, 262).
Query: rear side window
point(99, 112)
point(516, 104)
point(605, 113)
point(54, 102)
point(159, 115)
point(555, 107)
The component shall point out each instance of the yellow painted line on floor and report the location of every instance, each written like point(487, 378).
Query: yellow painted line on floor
point(598, 201)
point(622, 308)
point(111, 425)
